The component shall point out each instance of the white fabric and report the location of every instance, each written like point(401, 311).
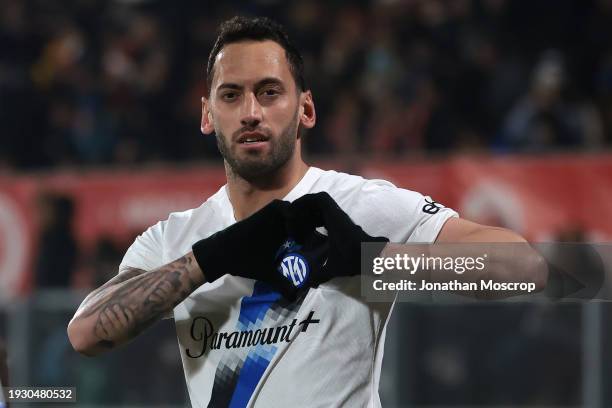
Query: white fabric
point(335, 361)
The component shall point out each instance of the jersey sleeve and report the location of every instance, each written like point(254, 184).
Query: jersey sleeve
point(146, 253)
point(429, 218)
point(403, 216)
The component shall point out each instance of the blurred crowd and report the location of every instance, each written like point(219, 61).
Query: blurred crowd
point(94, 82)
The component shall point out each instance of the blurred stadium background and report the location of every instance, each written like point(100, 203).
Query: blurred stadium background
point(500, 109)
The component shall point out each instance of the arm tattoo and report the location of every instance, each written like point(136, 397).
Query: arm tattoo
point(135, 299)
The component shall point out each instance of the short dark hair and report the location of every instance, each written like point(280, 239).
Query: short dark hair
point(241, 28)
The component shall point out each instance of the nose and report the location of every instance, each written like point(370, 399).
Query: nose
point(252, 114)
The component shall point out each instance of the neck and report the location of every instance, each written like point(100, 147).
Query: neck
point(247, 197)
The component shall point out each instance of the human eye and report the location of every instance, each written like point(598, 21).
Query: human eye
point(229, 96)
point(270, 93)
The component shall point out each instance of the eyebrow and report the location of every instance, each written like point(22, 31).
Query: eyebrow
point(268, 81)
point(258, 84)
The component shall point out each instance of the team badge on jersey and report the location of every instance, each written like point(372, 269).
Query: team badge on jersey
point(293, 265)
point(295, 268)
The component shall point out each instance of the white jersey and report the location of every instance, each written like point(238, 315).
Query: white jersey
point(243, 345)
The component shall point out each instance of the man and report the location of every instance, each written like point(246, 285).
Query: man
point(242, 342)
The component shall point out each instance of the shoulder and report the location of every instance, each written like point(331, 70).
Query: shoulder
point(383, 209)
point(209, 210)
point(181, 224)
point(345, 184)
point(170, 238)
point(351, 190)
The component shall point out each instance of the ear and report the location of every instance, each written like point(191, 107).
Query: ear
point(207, 125)
point(308, 115)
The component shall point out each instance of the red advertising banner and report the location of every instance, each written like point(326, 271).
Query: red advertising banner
point(539, 197)
point(536, 196)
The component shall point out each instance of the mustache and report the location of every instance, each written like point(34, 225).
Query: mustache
point(236, 135)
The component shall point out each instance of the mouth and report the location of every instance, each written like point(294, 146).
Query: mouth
point(252, 138)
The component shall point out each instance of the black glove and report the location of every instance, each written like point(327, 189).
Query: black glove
point(246, 247)
point(261, 247)
point(344, 236)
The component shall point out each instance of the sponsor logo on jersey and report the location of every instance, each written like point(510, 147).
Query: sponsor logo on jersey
point(431, 207)
point(203, 332)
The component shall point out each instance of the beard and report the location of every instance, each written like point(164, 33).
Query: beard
point(255, 165)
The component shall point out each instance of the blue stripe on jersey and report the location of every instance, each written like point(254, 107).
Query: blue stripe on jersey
point(253, 310)
point(252, 371)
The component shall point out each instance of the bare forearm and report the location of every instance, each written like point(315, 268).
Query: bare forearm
point(491, 234)
point(510, 262)
point(499, 262)
point(511, 258)
point(128, 304)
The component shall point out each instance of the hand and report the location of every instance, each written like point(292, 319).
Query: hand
point(344, 236)
point(279, 245)
point(261, 247)
point(245, 248)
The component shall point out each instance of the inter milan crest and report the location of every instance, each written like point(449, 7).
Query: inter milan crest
point(295, 268)
point(293, 265)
